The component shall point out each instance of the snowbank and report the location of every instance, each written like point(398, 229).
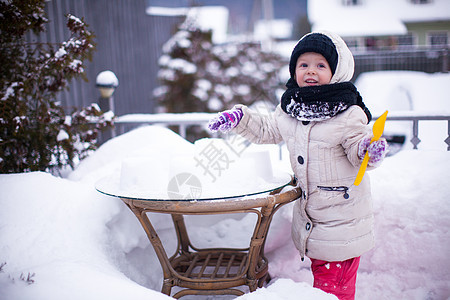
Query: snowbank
point(80, 244)
point(54, 231)
point(401, 91)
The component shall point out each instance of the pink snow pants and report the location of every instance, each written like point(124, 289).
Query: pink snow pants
point(337, 278)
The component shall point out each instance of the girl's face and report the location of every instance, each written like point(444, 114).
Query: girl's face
point(312, 69)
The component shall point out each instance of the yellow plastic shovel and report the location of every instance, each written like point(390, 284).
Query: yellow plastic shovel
point(377, 129)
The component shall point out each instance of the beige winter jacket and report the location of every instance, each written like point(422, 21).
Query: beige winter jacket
point(333, 220)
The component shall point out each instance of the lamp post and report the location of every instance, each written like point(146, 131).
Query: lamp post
point(107, 83)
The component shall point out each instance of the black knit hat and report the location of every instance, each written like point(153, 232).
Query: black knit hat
point(318, 43)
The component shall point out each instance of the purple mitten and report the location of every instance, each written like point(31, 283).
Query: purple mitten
point(226, 120)
point(376, 150)
point(362, 149)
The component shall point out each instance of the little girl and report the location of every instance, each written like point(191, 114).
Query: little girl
point(324, 123)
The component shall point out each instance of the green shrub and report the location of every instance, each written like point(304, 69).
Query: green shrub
point(198, 76)
point(36, 134)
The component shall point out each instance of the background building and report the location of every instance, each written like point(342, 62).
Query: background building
point(383, 35)
point(383, 24)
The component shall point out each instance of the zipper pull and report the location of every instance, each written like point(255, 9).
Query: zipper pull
point(346, 195)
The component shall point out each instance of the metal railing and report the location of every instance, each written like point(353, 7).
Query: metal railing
point(415, 117)
point(183, 121)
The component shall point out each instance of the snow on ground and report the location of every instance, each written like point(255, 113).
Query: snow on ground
point(404, 90)
point(61, 239)
point(80, 244)
point(400, 91)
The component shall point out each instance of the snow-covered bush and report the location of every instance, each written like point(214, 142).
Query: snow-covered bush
point(199, 76)
point(35, 131)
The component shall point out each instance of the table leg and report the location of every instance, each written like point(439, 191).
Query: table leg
point(168, 281)
point(182, 235)
point(256, 251)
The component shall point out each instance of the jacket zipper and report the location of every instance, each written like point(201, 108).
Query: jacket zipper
point(336, 189)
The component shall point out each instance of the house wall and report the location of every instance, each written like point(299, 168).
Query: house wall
point(421, 30)
point(128, 42)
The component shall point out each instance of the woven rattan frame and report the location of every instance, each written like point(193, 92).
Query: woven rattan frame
point(212, 271)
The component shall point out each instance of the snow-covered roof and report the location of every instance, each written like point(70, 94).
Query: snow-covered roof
point(167, 11)
point(277, 28)
point(373, 17)
point(213, 18)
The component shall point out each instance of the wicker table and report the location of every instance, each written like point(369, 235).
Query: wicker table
point(211, 271)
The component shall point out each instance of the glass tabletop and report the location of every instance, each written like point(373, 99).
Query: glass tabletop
point(188, 187)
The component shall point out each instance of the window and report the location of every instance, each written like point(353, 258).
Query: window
point(351, 2)
point(421, 1)
point(352, 43)
point(407, 40)
point(438, 38)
